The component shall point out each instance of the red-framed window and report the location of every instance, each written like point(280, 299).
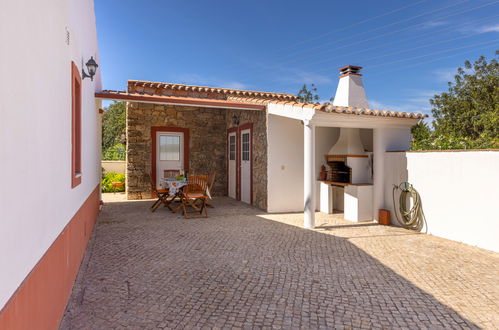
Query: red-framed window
point(75, 126)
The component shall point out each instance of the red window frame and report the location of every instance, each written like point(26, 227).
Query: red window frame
point(75, 126)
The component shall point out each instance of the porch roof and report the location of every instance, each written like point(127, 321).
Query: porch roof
point(188, 101)
point(335, 108)
point(169, 93)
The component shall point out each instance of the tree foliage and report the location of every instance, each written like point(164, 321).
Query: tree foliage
point(467, 116)
point(307, 95)
point(116, 152)
point(113, 129)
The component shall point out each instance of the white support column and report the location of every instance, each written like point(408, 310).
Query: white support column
point(308, 174)
point(379, 148)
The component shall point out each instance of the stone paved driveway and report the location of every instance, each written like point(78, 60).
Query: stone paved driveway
point(242, 268)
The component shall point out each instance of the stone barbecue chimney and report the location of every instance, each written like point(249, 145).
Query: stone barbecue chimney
point(350, 92)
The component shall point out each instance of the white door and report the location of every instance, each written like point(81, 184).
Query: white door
point(169, 153)
point(232, 175)
point(246, 166)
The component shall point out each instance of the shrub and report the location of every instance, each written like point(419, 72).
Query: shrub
point(109, 178)
point(116, 152)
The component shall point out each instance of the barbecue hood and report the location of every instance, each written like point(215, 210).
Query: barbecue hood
point(348, 143)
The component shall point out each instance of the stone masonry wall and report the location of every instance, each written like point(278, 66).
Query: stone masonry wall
point(208, 134)
point(207, 128)
point(259, 120)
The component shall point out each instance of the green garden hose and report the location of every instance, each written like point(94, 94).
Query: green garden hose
point(412, 218)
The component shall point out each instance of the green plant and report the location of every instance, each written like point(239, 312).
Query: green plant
point(116, 152)
point(109, 178)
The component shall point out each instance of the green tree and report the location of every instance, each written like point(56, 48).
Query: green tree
point(116, 152)
point(307, 95)
point(467, 116)
point(113, 128)
point(421, 137)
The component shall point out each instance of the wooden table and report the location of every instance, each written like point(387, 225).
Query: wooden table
point(174, 191)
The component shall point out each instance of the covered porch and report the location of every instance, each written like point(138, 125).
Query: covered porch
point(194, 135)
point(315, 130)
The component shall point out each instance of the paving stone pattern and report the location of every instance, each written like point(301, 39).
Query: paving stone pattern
point(243, 268)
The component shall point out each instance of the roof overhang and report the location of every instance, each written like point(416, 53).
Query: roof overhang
point(343, 117)
point(174, 100)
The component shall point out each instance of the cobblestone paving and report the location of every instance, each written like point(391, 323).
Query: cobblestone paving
point(242, 268)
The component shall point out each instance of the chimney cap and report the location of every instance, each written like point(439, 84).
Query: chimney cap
point(350, 69)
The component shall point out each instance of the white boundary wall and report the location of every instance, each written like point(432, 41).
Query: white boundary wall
point(117, 166)
point(459, 191)
point(36, 199)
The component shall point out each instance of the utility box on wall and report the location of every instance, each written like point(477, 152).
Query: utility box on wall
point(384, 217)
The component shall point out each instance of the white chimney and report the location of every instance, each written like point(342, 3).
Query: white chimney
point(350, 92)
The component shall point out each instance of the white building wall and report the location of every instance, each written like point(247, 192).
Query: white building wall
point(459, 192)
point(285, 162)
point(36, 199)
point(285, 165)
point(325, 138)
point(385, 139)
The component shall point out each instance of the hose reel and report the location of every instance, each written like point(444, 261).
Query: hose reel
point(411, 217)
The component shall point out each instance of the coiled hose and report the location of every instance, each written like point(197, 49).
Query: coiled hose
point(412, 218)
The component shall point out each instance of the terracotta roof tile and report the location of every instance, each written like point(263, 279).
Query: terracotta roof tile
point(264, 98)
point(336, 109)
point(223, 91)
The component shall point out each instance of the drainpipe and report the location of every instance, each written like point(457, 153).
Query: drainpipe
point(308, 174)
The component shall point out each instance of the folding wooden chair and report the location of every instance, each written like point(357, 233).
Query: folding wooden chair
point(162, 195)
point(211, 182)
point(194, 196)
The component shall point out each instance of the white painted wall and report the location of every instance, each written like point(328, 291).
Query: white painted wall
point(117, 166)
point(325, 138)
point(366, 136)
point(459, 191)
point(385, 139)
point(285, 165)
point(36, 199)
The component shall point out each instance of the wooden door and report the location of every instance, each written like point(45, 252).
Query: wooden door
point(246, 159)
point(232, 164)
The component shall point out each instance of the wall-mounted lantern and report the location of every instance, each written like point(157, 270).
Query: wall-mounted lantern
point(91, 67)
point(235, 120)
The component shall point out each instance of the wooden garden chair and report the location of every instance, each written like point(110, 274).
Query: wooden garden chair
point(194, 196)
point(162, 195)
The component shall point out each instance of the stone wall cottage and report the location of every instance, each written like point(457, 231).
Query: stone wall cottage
point(207, 125)
point(267, 148)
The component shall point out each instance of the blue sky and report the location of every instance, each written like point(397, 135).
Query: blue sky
point(409, 49)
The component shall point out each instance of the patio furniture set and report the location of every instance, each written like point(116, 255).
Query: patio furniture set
point(190, 194)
